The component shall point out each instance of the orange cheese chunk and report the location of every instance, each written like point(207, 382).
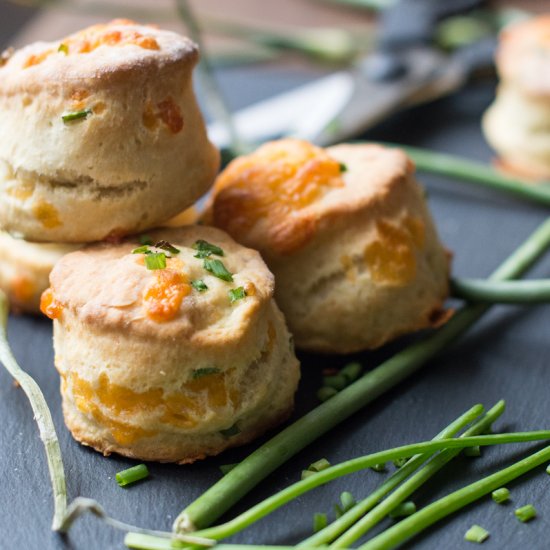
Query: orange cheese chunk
point(391, 258)
point(163, 297)
point(49, 306)
point(88, 40)
point(279, 178)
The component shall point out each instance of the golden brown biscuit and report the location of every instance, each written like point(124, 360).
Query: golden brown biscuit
point(105, 135)
point(517, 124)
point(171, 364)
point(347, 234)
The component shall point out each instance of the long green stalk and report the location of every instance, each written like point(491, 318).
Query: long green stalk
point(476, 172)
point(411, 526)
point(329, 533)
point(502, 292)
point(214, 96)
point(42, 416)
point(414, 482)
point(293, 491)
point(258, 465)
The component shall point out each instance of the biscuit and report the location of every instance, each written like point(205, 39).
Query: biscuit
point(154, 365)
point(102, 134)
point(517, 124)
point(25, 268)
point(347, 234)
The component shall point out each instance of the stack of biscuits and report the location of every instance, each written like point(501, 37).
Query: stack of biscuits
point(168, 341)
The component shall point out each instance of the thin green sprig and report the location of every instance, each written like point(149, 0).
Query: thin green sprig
point(258, 465)
point(415, 524)
point(214, 96)
point(475, 172)
point(42, 415)
point(329, 533)
point(376, 515)
point(293, 491)
point(502, 292)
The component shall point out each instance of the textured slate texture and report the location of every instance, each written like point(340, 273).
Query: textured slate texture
point(505, 356)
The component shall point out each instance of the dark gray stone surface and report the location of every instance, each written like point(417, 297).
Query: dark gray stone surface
point(505, 356)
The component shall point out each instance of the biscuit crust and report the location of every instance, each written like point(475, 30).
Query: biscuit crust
point(214, 375)
point(369, 265)
point(136, 152)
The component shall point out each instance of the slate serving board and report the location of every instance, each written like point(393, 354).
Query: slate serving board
point(507, 355)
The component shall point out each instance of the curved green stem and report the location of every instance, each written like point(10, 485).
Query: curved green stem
point(502, 292)
point(42, 415)
point(330, 532)
point(414, 482)
point(411, 526)
point(475, 172)
point(258, 465)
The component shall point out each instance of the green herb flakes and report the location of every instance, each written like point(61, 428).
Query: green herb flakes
point(206, 371)
point(199, 284)
point(205, 249)
point(155, 260)
point(76, 115)
point(237, 294)
point(217, 269)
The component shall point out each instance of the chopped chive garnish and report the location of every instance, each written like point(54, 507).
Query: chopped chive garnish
point(347, 500)
point(319, 465)
point(165, 245)
point(338, 382)
point(237, 294)
point(548, 469)
point(338, 512)
point(76, 115)
point(217, 269)
point(63, 48)
point(399, 462)
point(145, 239)
point(131, 475)
point(141, 250)
point(307, 473)
point(343, 167)
point(476, 533)
point(230, 432)
point(155, 260)
point(226, 468)
point(501, 495)
point(325, 393)
point(199, 373)
point(205, 249)
point(472, 451)
point(403, 510)
point(526, 513)
point(319, 522)
point(352, 371)
point(381, 467)
point(199, 285)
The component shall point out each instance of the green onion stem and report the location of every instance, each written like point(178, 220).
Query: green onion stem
point(411, 526)
point(293, 491)
point(259, 464)
point(42, 416)
point(476, 172)
point(348, 519)
point(502, 292)
point(376, 515)
point(214, 96)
